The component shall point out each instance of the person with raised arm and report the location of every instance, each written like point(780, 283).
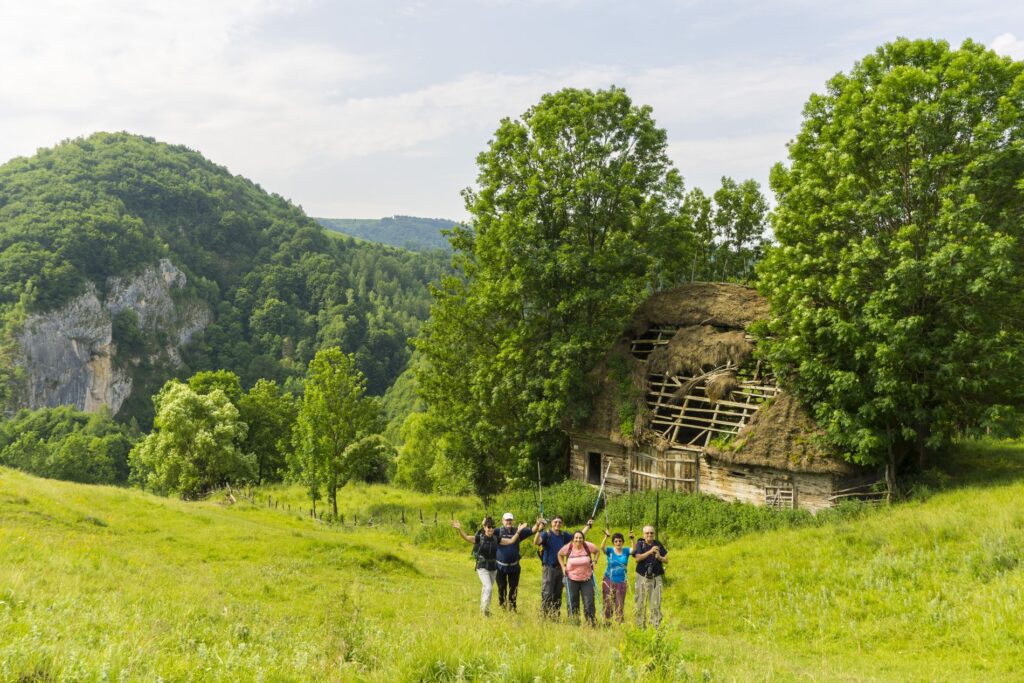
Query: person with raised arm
point(508, 558)
point(578, 560)
point(485, 549)
point(553, 578)
point(614, 583)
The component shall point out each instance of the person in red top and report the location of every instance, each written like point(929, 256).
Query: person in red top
point(578, 559)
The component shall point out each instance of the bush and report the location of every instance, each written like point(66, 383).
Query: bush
point(64, 443)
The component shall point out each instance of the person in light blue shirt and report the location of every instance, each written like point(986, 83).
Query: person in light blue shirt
point(613, 585)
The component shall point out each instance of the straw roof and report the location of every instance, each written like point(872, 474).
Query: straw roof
point(711, 321)
point(781, 435)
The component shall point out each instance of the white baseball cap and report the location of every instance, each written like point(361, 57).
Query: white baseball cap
point(507, 515)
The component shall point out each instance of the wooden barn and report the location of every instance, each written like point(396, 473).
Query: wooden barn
point(682, 404)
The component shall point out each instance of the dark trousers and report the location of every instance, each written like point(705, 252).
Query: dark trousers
point(584, 589)
point(551, 591)
point(508, 587)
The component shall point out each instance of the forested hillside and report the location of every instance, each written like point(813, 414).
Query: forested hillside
point(277, 286)
point(408, 232)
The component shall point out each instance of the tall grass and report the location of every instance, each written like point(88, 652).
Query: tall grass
point(100, 583)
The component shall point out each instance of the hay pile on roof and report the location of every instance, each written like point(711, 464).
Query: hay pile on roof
point(781, 435)
point(718, 304)
point(711, 319)
point(697, 349)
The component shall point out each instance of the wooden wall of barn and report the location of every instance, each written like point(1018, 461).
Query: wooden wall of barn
point(581, 465)
point(590, 455)
point(747, 484)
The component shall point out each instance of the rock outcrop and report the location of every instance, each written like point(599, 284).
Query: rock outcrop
point(70, 357)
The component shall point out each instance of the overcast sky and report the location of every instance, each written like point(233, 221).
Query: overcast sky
point(368, 109)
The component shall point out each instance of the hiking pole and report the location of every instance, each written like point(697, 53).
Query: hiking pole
point(630, 513)
point(657, 511)
point(540, 493)
point(600, 491)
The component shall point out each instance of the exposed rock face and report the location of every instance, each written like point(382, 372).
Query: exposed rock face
point(69, 354)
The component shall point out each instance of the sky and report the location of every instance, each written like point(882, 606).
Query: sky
point(370, 109)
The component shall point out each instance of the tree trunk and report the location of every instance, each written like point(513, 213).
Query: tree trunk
point(922, 450)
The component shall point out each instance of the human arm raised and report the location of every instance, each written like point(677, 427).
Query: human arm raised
point(514, 538)
point(457, 525)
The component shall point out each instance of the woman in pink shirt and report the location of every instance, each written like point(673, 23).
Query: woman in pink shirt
point(578, 559)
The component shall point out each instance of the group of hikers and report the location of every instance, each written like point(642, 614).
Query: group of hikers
point(569, 562)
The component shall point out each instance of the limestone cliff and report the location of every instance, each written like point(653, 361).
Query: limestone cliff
point(69, 354)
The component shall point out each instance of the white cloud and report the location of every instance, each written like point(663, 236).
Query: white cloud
point(157, 66)
point(1009, 45)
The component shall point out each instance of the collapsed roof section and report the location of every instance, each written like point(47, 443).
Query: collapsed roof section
point(684, 376)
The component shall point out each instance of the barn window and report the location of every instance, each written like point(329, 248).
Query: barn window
point(593, 468)
point(779, 494)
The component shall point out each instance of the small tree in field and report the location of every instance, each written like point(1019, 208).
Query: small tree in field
point(193, 446)
point(897, 286)
point(333, 416)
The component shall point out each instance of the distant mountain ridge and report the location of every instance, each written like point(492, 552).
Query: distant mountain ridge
point(408, 232)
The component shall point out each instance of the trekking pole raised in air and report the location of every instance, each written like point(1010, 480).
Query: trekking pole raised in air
point(540, 494)
point(630, 513)
point(600, 491)
point(657, 510)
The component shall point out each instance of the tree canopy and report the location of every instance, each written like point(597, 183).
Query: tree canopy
point(193, 447)
point(897, 283)
point(574, 202)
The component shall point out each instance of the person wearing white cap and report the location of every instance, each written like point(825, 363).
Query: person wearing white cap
point(508, 559)
point(486, 542)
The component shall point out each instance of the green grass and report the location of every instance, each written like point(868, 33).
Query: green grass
point(101, 583)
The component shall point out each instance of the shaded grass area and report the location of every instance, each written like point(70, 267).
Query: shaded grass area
point(101, 583)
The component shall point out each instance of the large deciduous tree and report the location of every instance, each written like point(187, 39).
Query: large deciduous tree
point(897, 282)
point(193, 447)
point(573, 202)
point(334, 415)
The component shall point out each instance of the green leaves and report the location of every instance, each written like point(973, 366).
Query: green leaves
point(193, 447)
point(573, 201)
point(333, 416)
point(896, 285)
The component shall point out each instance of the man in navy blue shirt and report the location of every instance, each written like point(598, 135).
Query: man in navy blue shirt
point(651, 559)
point(508, 559)
point(552, 578)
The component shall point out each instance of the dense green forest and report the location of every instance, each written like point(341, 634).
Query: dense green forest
point(408, 232)
point(279, 287)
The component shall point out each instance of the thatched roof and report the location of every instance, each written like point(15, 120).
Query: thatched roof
point(781, 435)
point(719, 304)
point(699, 348)
point(712, 321)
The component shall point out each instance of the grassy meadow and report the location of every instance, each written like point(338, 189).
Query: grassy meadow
point(108, 584)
